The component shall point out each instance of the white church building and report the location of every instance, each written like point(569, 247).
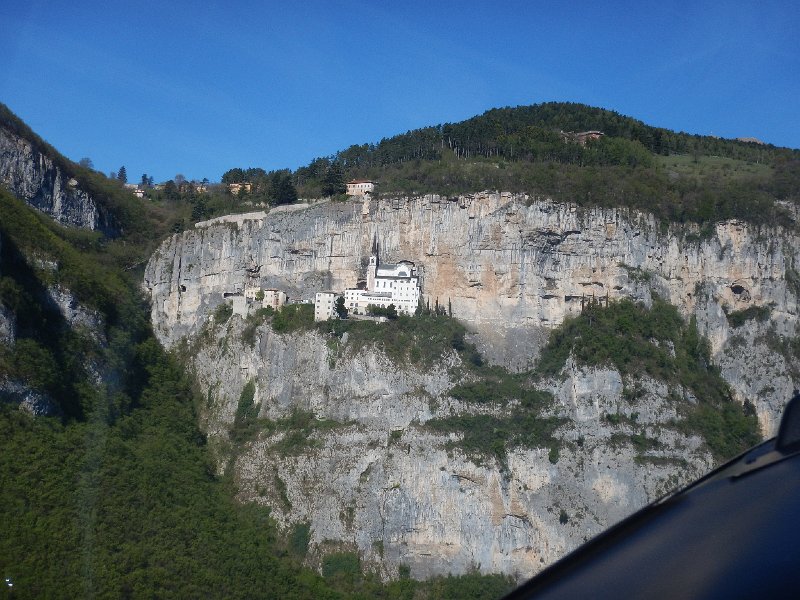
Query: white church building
point(386, 284)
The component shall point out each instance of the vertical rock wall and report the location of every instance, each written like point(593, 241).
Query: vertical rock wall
point(510, 267)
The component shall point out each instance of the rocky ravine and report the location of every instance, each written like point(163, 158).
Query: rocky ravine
point(34, 177)
point(511, 268)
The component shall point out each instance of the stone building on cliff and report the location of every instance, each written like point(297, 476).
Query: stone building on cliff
point(387, 284)
point(397, 284)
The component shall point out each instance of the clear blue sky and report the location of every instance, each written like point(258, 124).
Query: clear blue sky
point(199, 87)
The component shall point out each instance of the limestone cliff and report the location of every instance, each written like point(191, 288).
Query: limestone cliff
point(511, 267)
point(375, 479)
point(34, 176)
point(373, 476)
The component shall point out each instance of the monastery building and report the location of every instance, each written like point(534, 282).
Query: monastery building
point(386, 284)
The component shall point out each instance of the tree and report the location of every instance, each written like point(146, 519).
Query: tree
point(86, 163)
point(145, 183)
point(282, 190)
point(199, 209)
point(122, 175)
point(171, 191)
point(233, 176)
point(180, 180)
point(340, 308)
point(333, 181)
point(379, 311)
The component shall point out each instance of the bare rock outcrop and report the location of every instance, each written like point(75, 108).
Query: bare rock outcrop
point(33, 176)
point(374, 478)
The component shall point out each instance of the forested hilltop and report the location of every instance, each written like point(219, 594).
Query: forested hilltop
point(539, 150)
point(569, 152)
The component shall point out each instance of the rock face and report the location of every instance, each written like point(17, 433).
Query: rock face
point(60, 305)
point(374, 477)
point(37, 179)
point(511, 268)
point(376, 480)
point(29, 400)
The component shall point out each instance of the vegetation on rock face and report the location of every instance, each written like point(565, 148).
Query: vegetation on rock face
point(49, 354)
point(423, 340)
point(293, 317)
point(657, 342)
point(738, 318)
point(523, 421)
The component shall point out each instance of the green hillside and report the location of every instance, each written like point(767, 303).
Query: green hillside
point(535, 149)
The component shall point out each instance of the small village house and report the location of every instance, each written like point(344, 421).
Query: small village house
point(234, 188)
point(360, 187)
point(325, 305)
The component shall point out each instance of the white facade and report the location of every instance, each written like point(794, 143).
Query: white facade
point(274, 299)
point(360, 187)
point(271, 297)
point(386, 284)
point(325, 305)
point(239, 305)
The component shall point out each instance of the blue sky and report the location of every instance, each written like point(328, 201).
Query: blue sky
point(199, 87)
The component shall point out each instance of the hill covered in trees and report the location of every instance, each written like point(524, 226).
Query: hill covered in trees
point(539, 150)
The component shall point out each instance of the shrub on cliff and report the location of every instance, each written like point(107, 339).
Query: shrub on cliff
point(636, 340)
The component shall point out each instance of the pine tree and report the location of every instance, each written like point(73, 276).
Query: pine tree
point(333, 181)
point(340, 308)
point(122, 175)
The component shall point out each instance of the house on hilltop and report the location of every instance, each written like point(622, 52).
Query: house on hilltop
point(360, 187)
point(234, 188)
